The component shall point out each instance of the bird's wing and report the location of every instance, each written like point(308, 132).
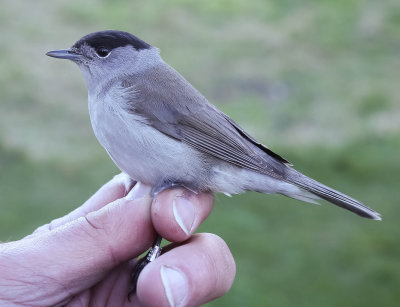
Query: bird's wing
point(181, 112)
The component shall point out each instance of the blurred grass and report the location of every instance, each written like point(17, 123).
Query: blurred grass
point(315, 80)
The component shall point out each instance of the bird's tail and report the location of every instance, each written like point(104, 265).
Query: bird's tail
point(322, 191)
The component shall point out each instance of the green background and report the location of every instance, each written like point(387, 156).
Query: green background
point(317, 81)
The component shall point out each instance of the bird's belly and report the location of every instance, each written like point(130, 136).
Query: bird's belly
point(146, 154)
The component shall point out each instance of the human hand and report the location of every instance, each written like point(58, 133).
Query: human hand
point(84, 257)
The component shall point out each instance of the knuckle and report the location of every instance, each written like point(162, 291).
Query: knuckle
point(220, 261)
point(99, 229)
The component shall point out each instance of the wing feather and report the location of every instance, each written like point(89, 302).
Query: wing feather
point(187, 116)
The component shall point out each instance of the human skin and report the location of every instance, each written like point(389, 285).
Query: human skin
point(84, 258)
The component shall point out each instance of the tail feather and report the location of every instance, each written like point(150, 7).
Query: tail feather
point(331, 195)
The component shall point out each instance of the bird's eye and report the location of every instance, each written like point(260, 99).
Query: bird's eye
point(102, 52)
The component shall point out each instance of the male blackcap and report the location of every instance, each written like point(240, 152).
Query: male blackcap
point(161, 131)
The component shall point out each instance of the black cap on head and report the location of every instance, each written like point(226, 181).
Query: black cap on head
point(111, 39)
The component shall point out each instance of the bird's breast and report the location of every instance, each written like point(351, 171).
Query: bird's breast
point(138, 149)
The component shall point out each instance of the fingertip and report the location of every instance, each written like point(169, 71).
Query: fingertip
point(177, 213)
point(114, 189)
point(122, 183)
point(227, 264)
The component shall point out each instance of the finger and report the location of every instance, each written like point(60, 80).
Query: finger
point(177, 213)
point(192, 274)
point(110, 291)
point(112, 190)
point(80, 253)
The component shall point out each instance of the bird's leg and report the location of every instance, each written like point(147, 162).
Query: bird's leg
point(153, 253)
point(155, 250)
point(167, 184)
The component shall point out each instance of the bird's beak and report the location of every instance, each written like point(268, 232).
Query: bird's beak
point(65, 54)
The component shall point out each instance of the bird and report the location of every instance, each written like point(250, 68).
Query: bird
point(161, 131)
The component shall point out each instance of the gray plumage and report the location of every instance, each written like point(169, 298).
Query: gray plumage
point(160, 130)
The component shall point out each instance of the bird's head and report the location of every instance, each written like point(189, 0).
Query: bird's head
point(107, 54)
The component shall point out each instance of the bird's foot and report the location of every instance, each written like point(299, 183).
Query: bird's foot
point(167, 184)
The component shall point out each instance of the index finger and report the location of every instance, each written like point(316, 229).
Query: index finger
point(114, 189)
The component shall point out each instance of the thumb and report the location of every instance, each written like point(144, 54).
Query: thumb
point(80, 253)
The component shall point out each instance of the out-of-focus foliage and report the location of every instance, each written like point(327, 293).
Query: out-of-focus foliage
point(317, 81)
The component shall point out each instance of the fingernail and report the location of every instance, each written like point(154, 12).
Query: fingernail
point(125, 180)
point(138, 191)
point(184, 213)
point(175, 285)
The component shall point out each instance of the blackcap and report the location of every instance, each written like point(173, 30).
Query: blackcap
point(161, 131)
